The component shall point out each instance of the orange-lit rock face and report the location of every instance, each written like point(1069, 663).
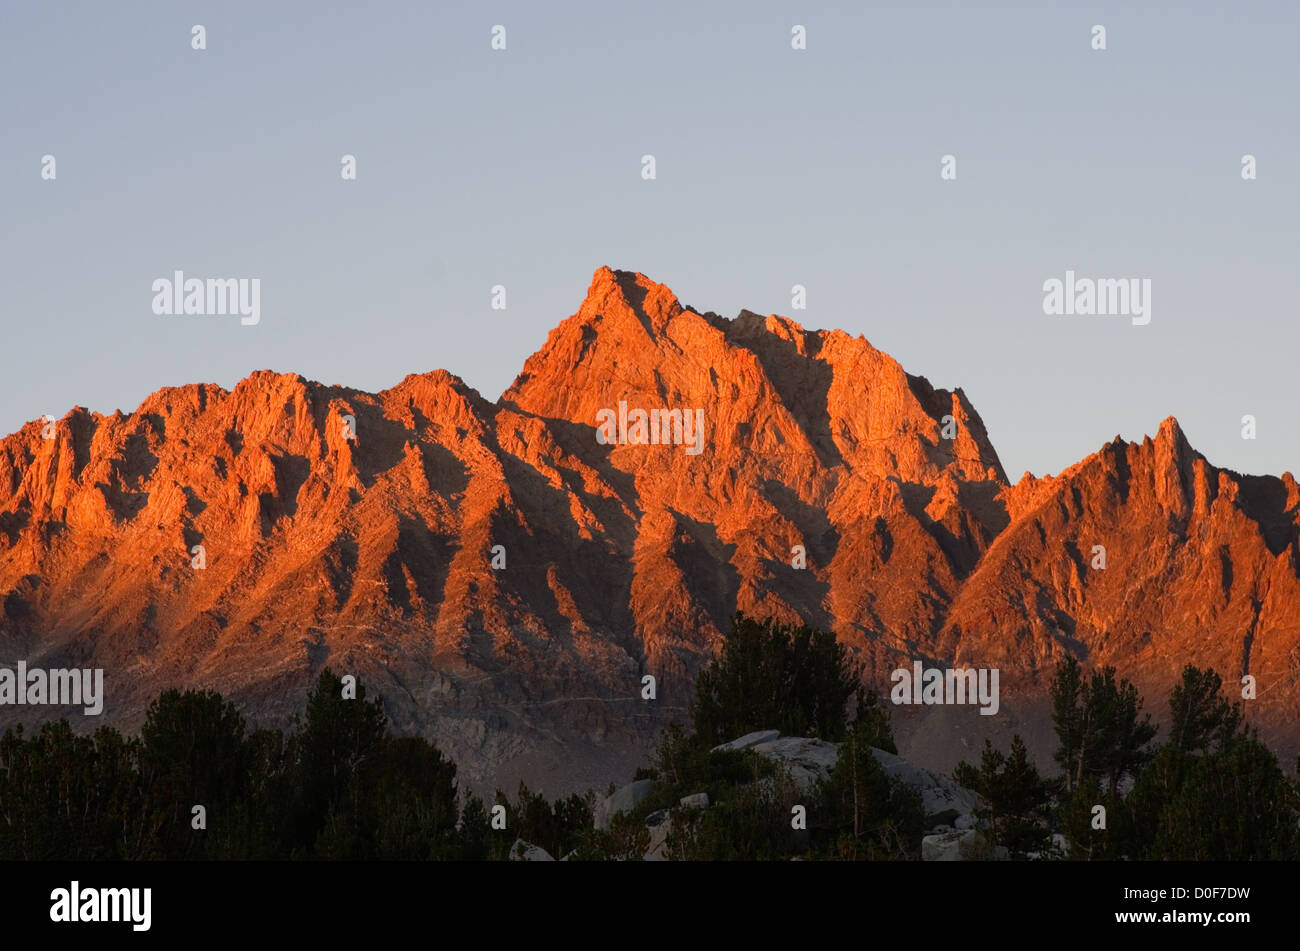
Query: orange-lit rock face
point(358, 530)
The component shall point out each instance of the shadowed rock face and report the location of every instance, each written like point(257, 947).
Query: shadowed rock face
point(374, 554)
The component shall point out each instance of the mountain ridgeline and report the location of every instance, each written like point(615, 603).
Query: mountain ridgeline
point(505, 574)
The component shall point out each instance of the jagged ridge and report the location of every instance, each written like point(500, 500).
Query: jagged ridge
point(374, 554)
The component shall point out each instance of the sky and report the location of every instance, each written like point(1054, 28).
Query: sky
point(774, 167)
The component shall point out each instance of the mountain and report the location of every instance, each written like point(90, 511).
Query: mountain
point(360, 531)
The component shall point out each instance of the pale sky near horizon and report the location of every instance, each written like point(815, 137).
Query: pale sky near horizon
point(775, 167)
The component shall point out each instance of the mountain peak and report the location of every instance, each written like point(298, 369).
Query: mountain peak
point(242, 539)
point(1171, 438)
point(765, 385)
point(615, 296)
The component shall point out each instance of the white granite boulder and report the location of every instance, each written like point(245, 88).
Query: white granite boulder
point(748, 740)
point(523, 851)
point(624, 799)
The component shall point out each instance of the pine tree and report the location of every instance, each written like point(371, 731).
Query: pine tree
point(1016, 800)
point(771, 676)
point(1213, 792)
point(1200, 716)
point(337, 753)
point(862, 813)
point(1099, 726)
point(1234, 804)
point(192, 753)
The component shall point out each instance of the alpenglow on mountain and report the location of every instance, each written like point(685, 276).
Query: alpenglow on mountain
point(505, 573)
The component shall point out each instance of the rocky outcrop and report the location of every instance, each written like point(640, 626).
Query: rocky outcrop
point(505, 573)
point(623, 799)
point(660, 825)
point(523, 851)
point(749, 740)
point(811, 761)
point(960, 846)
point(949, 808)
point(944, 802)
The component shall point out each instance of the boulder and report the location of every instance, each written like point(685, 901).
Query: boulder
point(699, 800)
point(810, 761)
point(957, 846)
point(624, 799)
point(944, 802)
point(659, 823)
point(947, 805)
point(748, 740)
point(523, 851)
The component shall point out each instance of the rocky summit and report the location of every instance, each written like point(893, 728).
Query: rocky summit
point(505, 573)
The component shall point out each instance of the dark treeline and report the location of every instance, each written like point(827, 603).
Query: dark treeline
point(338, 786)
point(1210, 791)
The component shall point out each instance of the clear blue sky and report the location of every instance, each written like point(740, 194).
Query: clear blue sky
point(775, 167)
